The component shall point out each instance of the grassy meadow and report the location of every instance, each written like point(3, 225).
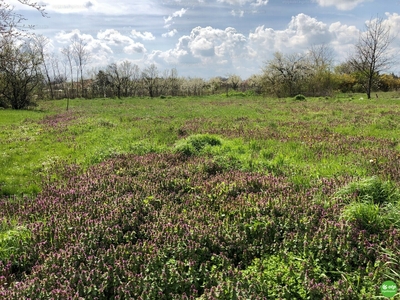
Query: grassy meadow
point(209, 197)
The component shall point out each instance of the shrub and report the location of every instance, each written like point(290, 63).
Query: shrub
point(300, 97)
point(3, 103)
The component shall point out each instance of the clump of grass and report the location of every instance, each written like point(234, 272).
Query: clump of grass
point(194, 144)
point(300, 97)
point(392, 264)
point(103, 153)
point(366, 215)
point(145, 147)
point(105, 123)
point(370, 189)
point(12, 239)
point(372, 204)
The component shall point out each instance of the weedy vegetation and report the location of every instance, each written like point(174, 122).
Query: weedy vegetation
point(211, 197)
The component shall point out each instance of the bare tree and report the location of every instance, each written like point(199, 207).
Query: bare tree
point(59, 75)
point(81, 56)
point(173, 82)
point(39, 42)
point(114, 77)
point(150, 79)
point(371, 53)
point(129, 72)
point(58, 68)
point(163, 83)
point(321, 56)
point(67, 52)
point(11, 23)
point(135, 78)
point(121, 77)
point(320, 61)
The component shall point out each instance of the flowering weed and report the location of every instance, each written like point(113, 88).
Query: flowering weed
point(273, 198)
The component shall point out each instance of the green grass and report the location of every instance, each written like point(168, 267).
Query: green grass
point(13, 239)
point(298, 199)
point(371, 190)
point(303, 139)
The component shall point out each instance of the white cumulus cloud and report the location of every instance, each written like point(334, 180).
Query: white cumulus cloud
point(115, 38)
point(239, 13)
point(176, 14)
point(206, 47)
point(341, 4)
point(147, 36)
point(243, 2)
point(170, 33)
point(393, 22)
point(99, 50)
point(211, 51)
point(301, 32)
point(115, 7)
point(134, 48)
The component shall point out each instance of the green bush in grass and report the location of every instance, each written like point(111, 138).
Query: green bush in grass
point(194, 144)
point(300, 97)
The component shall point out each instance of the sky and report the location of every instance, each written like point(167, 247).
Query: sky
point(207, 38)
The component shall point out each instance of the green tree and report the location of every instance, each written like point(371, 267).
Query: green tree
point(101, 84)
point(20, 71)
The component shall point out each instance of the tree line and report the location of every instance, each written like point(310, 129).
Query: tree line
point(29, 72)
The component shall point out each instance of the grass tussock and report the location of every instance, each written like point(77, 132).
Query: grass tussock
point(195, 144)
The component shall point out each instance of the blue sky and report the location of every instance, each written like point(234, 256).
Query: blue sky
point(206, 38)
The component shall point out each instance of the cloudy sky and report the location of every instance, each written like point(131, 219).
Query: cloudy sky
point(206, 38)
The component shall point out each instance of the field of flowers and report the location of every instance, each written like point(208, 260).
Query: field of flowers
point(209, 198)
